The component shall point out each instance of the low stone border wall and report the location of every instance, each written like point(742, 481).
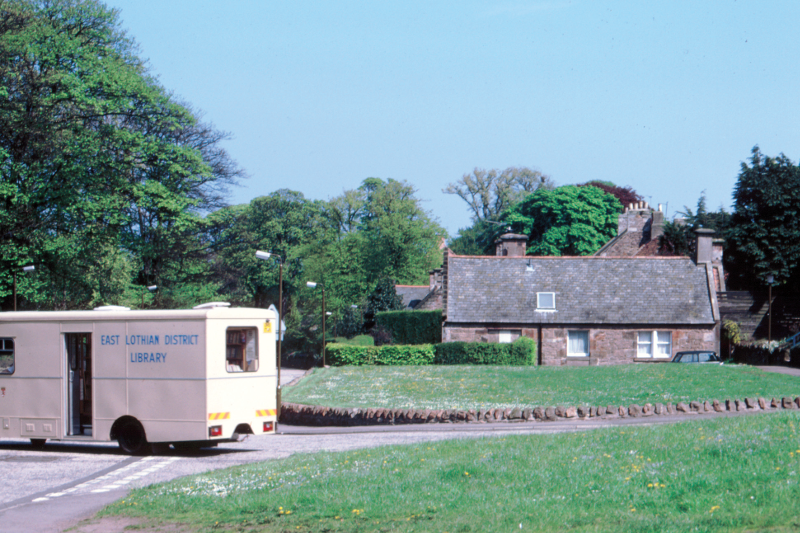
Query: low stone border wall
point(314, 415)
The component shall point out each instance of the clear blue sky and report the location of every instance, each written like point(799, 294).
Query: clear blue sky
point(667, 97)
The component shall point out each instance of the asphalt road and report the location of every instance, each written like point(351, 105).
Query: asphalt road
point(52, 489)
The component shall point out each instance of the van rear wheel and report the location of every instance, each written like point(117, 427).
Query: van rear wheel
point(131, 438)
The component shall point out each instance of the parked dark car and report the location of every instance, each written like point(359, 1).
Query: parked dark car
point(699, 356)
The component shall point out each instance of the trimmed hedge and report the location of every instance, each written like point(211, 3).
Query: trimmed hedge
point(412, 327)
point(761, 355)
point(390, 354)
point(522, 352)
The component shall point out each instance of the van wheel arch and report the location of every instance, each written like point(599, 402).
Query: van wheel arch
point(130, 435)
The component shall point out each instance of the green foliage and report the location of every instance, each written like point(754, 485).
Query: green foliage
point(731, 331)
point(96, 158)
point(764, 234)
point(358, 340)
point(383, 298)
point(477, 239)
point(521, 352)
point(350, 325)
point(342, 354)
point(568, 220)
point(412, 327)
point(679, 236)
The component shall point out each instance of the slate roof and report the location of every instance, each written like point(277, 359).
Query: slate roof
point(589, 290)
point(412, 295)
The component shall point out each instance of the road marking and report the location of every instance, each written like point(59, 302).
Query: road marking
point(113, 480)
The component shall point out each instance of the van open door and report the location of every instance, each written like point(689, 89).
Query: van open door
point(79, 383)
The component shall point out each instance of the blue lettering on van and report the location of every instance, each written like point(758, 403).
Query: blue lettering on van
point(144, 357)
point(109, 339)
point(181, 339)
point(141, 339)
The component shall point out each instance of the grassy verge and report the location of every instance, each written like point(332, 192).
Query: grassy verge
point(476, 387)
point(728, 474)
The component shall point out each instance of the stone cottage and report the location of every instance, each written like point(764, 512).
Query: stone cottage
point(583, 310)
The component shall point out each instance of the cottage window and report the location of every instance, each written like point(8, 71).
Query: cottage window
point(654, 342)
point(545, 300)
point(578, 343)
point(6, 356)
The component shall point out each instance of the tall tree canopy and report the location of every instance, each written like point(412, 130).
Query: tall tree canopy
point(568, 220)
point(625, 195)
point(764, 234)
point(96, 159)
point(490, 192)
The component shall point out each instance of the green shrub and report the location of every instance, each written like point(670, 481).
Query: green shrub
point(343, 354)
point(359, 340)
point(521, 352)
point(412, 327)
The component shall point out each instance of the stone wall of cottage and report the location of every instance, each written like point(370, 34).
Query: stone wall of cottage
point(485, 334)
point(610, 345)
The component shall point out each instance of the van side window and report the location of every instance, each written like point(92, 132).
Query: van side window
point(241, 353)
point(6, 356)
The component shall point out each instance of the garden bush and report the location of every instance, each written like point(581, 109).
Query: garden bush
point(521, 352)
point(412, 327)
point(343, 354)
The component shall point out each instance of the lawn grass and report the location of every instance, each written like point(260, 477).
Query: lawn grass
point(476, 387)
point(724, 474)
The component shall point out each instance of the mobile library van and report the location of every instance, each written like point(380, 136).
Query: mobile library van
point(191, 377)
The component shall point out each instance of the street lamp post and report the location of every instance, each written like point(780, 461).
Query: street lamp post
point(264, 256)
point(313, 284)
point(770, 281)
point(29, 268)
point(150, 288)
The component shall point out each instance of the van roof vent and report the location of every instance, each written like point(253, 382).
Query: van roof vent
point(112, 308)
point(212, 305)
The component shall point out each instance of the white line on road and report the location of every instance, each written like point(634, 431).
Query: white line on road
point(113, 480)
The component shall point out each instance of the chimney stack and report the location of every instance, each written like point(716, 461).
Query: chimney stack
point(704, 245)
point(511, 245)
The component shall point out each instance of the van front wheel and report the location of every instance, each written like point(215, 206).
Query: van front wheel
point(132, 439)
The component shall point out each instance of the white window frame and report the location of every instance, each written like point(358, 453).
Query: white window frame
point(539, 301)
point(581, 332)
point(504, 336)
point(650, 339)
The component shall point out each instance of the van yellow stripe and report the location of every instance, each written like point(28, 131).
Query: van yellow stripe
point(218, 416)
point(266, 412)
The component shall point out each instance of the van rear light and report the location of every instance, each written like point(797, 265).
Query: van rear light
point(215, 431)
point(267, 427)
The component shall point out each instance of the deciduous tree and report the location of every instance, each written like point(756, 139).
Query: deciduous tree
point(568, 220)
point(490, 192)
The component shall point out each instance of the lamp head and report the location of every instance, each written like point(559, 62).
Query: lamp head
point(29, 268)
point(311, 284)
point(151, 288)
point(770, 279)
point(263, 255)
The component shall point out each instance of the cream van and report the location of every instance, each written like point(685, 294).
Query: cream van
point(191, 378)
